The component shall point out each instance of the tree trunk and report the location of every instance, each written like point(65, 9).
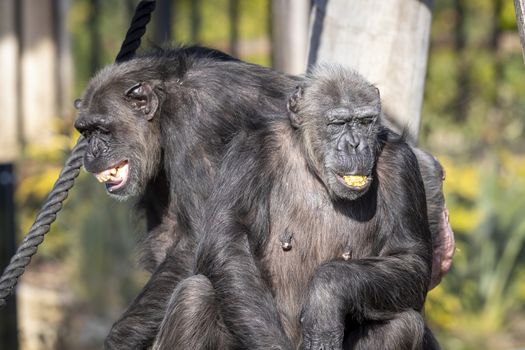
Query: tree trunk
point(386, 41)
point(519, 5)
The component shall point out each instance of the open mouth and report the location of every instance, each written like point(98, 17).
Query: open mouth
point(355, 182)
point(114, 178)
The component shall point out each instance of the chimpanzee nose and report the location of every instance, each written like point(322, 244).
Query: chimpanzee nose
point(348, 143)
point(353, 141)
point(97, 147)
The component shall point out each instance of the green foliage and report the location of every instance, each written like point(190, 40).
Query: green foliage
point(215, 27)
point(473, 120)
point(486, 284)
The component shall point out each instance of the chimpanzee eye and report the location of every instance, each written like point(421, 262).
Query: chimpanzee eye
point(367, 120)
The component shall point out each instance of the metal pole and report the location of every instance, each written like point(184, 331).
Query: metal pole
point(8, 319)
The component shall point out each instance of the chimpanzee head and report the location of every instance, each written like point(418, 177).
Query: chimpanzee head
point(119, 116)
point(337, 112)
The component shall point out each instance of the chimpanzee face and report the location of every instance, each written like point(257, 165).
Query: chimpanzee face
point(349, 155)
point(339, 123)
point(117, 117)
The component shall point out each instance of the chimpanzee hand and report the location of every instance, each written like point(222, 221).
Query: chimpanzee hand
point(322, 317)
point(330, 340)
point(325, 335)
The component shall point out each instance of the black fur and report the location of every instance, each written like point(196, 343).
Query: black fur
point(201, 99)
point(205, 103)
point(360, 264)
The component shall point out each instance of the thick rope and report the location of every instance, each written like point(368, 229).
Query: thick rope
point(66, 179)
point(43, 221)
point(136, 30)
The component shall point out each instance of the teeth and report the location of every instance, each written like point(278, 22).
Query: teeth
point(107, 175)
point(355, 180)
point(102, 177)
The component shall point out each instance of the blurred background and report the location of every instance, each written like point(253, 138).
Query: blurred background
point(86, 271)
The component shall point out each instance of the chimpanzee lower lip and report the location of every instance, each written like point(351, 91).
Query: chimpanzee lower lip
point(115, 177)
point(113, 186)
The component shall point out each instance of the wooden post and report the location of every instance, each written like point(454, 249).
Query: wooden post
point(290, 35)
point(195, 23)
point(233, 10)
point(38, 71)
point(64, 65)
point(385, 41)
point(163, 22)
point(8, 74)
point(519, 5)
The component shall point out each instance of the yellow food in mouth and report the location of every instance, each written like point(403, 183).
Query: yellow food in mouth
point(355, 180)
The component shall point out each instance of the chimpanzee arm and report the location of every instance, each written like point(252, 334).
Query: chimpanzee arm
point(377, 288)
point(245, 301)
point(371, 289)
point(138, 326)
point(235, 213)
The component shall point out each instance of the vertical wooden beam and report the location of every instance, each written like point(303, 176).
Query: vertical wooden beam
point(519, 5)
point(64, 65)
point(233, 10)
point(290, 35)
point(38, 72)
point(163, 22)
point(94, 36)
point(386, 41)
point(195, 23)
point(8, 73)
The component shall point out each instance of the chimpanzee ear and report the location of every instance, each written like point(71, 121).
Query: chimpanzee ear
point(77, 103)
point(377, 92)
point(143, 99)
point(293, 107)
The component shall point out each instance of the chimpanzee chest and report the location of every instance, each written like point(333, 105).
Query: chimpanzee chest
point(305, 231)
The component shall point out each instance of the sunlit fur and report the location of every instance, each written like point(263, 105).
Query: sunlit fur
point(205, 98)
point(272, 184)
point(208, 102)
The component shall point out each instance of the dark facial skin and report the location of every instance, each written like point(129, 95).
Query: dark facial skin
point(342, 138)
point(119, 124)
